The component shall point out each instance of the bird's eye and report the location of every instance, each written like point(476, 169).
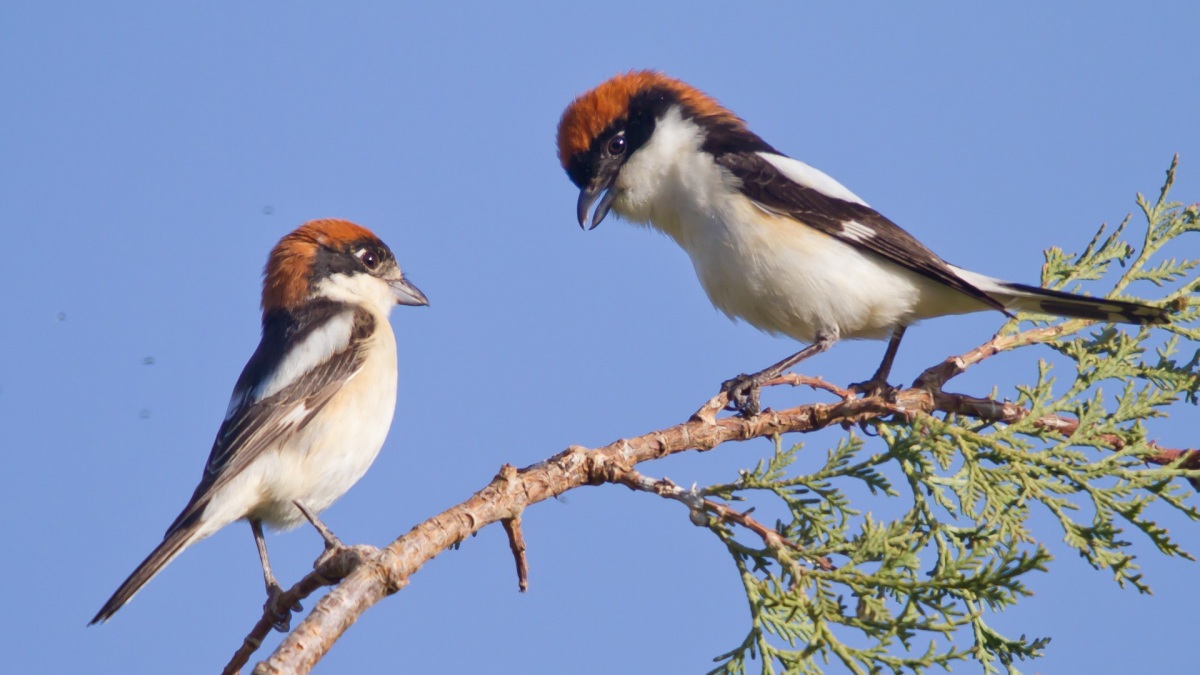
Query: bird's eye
point(368, 258)
point(616, 145)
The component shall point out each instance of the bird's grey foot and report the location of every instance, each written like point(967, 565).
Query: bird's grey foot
point(281, 615)
point(874, 387)
point(742, 392)
point(331, 549)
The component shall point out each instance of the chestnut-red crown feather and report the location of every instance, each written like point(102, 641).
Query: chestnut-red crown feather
point(593, 112)
point(286, 277)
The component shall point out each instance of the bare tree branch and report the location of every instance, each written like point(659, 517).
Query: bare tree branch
point(511, 491)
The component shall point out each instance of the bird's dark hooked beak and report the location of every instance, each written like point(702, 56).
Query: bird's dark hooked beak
point(602, 189)
point(406, 293)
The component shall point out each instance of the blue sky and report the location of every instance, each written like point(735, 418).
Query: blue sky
point(152, 153)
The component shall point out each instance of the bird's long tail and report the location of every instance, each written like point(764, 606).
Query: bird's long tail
point(1045, 301)
point(171, 546)
point(1023, 298)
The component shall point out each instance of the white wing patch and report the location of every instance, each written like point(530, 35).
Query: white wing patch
point(808, 176)
point(315, 349)
point(856, 231)
point(293, 417)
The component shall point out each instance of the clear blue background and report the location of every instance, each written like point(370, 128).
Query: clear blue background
point(152, 153)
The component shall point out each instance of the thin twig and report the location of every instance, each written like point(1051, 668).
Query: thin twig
point(698, 504)
point(797, 380)
point(516, 542)
point(939, 375)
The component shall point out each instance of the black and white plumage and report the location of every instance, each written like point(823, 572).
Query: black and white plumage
point(774, 241)
point(313, 405)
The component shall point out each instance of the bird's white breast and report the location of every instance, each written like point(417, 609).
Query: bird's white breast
point(335, 449)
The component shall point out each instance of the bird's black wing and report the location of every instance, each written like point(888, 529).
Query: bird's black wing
point(850, 222)
point(262, 411)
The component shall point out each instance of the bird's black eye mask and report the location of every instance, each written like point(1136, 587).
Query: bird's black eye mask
point(616, 144)
point(350, 259)
point(372, 255)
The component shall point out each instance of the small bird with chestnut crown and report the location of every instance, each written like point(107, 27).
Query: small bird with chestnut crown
point(312, 406)
point(774, 241)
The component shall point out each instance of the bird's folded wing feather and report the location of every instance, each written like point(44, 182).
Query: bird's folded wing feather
point(281, 390)
point(787, 187)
